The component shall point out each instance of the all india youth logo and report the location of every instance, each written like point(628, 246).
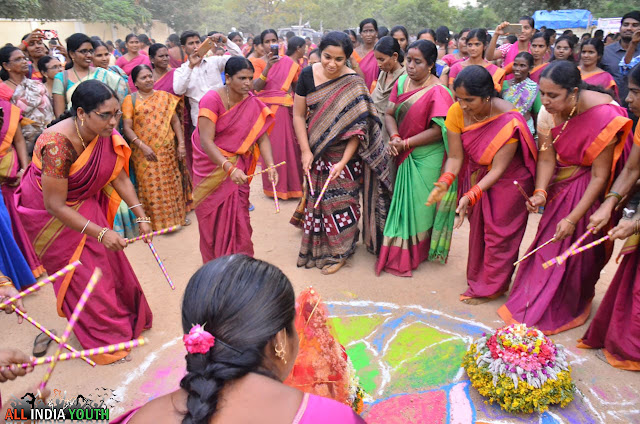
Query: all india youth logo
point(59, 408)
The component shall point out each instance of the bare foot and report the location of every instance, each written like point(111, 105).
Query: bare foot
point(475, 300)
point(333, 268)
point(301, 262)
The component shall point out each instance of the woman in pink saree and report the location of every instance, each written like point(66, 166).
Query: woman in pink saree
point(231, 134)
point(616, 326)
point(498, 148)
point(67, 201)
point(133, 58)
point(238, 320)
point(363, 60)
point(13, 162)
point(274, 77)
point(582, 137)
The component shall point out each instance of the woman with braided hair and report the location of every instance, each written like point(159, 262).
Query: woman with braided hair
point(240, 349)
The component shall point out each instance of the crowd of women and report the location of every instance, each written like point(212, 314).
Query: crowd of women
point(371, 132)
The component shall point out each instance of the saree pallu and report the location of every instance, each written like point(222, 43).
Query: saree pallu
point(415, 232)
point(165, 83)
point(9, 166)
point(497, 74)
point(603, 80)
point(159, 182)
point(499, 219)
point(381, 93)
point(282, 136)
point(559, 298)
point(339, 110)
point(222, 207)
point(128, 65)
point(536, 72)
point(370, 69)
point(32, 98)
point(117, 310)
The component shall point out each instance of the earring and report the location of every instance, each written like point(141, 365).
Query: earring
point(281, 351)
point(82, 122)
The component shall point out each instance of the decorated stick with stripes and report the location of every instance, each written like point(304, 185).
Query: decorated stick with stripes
point(95, 277)
point(49, 333)
point(155, 233)
point(79, 354)
point(37, 286)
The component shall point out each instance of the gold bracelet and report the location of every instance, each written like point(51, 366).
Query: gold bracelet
point(263, 77)
point(144, 219)
point(102, 233)
point(570, 221)
point(7, 282)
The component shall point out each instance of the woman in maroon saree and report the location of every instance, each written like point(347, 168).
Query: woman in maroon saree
point(273, 82)
point(67, 201)
point(133, 58)
point(580, 145)
point(13, 162)
point(616, 326)
point(498, 148)
point(231, 134)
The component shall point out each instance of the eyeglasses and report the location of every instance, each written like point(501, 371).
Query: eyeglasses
point(85, 52)
point(108, 116)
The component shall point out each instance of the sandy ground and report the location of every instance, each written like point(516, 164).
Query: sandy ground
point(606, 394)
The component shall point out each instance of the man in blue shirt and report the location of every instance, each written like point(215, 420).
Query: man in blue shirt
point(616, 51)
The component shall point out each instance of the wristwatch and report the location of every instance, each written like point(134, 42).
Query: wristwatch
point(628, 213)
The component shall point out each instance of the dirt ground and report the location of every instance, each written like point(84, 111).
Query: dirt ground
point(605, 394)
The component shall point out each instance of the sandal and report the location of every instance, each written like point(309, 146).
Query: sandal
point(41, 344)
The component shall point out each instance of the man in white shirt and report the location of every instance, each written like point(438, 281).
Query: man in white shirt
point(199, 75)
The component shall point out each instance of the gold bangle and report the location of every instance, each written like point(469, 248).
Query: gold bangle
point(102, 233)
point(570, 221)
point(263, 77)
point(144, 219)
point(224, 163)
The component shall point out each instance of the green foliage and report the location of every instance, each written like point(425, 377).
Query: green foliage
point(255, 15)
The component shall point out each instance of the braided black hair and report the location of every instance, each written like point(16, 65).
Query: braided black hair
point(243, 302)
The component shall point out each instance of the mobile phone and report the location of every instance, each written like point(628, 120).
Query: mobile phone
point(274, 49)
point(205, 47)
point(49, 34)
point(513, 29)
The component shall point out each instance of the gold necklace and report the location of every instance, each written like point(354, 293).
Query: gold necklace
point(486, 117)
point(143, 98)
point(546, 146)
point(78, 132)
point(424, 84)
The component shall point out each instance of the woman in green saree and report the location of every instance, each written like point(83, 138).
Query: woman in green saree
point(414, 119)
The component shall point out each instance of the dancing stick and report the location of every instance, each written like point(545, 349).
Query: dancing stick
point(559, 260)
point(266, 169)
point(40, 284)
point(324, 188)
point(155, 233)
point(95, 277)
point(275, 196)
point(162, 268)
point(79, 354)
point(524, 193)
point(310, 185)
point(49, 333)
point(590, 245)
point(534, 250)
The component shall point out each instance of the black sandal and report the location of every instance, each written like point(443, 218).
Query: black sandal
point(41, 344)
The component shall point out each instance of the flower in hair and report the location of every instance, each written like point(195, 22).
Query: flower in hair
point(198, 340)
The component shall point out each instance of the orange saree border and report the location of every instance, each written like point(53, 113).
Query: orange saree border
point(11, 132)
point(603, 139)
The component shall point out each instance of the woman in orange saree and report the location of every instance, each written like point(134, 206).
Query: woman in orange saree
point(231, 134)
point(582, 138)
point(67, 201)
point(274, 78)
